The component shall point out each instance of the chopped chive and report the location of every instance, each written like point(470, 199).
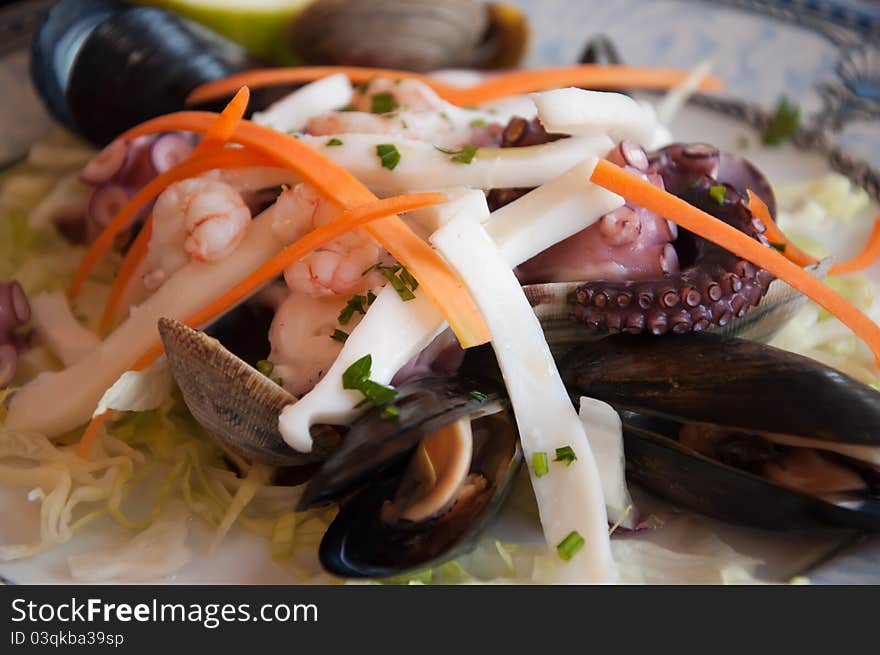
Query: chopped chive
point(783, 124)
point(402, 290)
point(339, 335)
point(569, 546)
point(778, 246)
point(478, 395)
point(377, 393)
point(390, 412)
point(466, 156)
point(478, 122)
point(565, 455)
point(540, 464)
point(445, 151)
point(356, 374)
point(278, 381)
point(370, 268)
point(356, 303)
point(371, 297)
point(407, 278)
point(383, 103)
point(718, 193)
point(265, 367)
point(403, 124)
point(333, 142)
point(388, 155)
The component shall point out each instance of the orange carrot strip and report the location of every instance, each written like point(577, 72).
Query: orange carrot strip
point(498, 86)
point(133, 258)
point(189, 168)
point(594, 76)
point(868, 256)
point(640, 192)
point(345, 222)
point(336, 183)
point(775, 235)
point(84, 447)
point(224, 127)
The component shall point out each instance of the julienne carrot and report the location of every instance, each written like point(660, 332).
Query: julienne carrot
point(498, 86)
point(226, 159)
point(641, 192)
point(869, 254)
point(224, 126)
point(345, 222)
point(775, 235)
point(133, 258)
point(340, 186)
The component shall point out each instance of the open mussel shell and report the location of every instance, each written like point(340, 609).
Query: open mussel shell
point(103, 67)
point(420, 35)
point(373, 459)
point(658, 462)
point(233, 401)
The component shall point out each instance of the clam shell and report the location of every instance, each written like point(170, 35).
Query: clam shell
point(233, 401)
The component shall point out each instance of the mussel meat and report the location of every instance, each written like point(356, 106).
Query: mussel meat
point(417, 490)
point(102, 66)
point(739, 430)
point(420, 35)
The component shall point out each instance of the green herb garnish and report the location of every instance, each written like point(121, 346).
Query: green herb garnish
point(778, 246)
point(540, 464)
point(390, 412)
point(478, 122)
point(718, 193)
point(401, 280)
point(465, 155)
point(357, 378)
point(783, 124)
point(388, 155)
point(333, 142)
point(265, 367)
point(565, 455)
point(356, 303)
point(383, 103)
point(569, 546)
point(478, 395)
point(339, 335)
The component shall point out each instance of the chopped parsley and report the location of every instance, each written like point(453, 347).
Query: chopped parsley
point(357, 378)
point(383, 103)
point(565, 455)
point(783, 124)
point(569, 546)
point(339, 335)
point(465, 155)
point(356, 303)
point(333, 142)
point(718, 193)
point(478, 122)
point(401, 280)
point(388, 155)
point(265, 367)
point(540, 464)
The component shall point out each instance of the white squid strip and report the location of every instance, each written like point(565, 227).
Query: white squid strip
point(291, 113)
point(56, 402)
point(521, 230)
point(605, 433)
point(422, 167)
point(586, 113)
point(569, 496)
point(58, 329)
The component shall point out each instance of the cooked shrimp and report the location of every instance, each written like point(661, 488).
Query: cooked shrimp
point(338, 268)
point(408, 95)
point(302, 349)
point(199, 218)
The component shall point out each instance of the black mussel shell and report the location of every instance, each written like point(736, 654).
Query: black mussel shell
point(600, 49)
point(375, 446)
point(659, 463)
point(359, 544)
point(103, 67)
point(734, 383)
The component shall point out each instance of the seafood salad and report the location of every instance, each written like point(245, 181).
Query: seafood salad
point(367, 316)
